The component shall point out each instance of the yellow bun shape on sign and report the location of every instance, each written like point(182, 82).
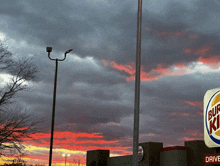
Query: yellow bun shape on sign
point(216, 100)
point(217, 133)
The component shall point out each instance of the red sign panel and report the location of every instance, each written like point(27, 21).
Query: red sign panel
point(212, 159)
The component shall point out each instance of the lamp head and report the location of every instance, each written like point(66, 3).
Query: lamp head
point(68, 155)
point(68, 51)
point(49, 49)
point(63, 155)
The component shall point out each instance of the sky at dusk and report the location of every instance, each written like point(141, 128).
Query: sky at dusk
point(95, 87)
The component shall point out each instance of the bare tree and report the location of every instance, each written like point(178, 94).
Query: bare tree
point(21, 71)
point(15, 125)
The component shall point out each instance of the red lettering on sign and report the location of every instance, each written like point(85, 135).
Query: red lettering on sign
point(210, 115)
point(218, 122)
point(218, 108)
point(212, 125)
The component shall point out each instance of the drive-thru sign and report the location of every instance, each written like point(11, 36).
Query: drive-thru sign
point(212, 159)
point(212, 118)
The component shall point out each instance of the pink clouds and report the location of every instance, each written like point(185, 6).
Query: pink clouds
point(206, 57)
point(198, 104)
point(130, 69)
point(154, 74)
point(177, 34)
point(203, 50)
point(182, 114)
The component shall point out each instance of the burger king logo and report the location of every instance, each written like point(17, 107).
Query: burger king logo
point(212, 118)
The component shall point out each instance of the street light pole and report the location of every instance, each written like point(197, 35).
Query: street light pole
point(64, 155)
point(53, 112)
point(137, 87)
point(49, 49)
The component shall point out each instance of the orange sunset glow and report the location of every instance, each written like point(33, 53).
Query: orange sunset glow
point(75, 144)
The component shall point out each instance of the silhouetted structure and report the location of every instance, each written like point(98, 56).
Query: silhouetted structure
point(192, 154)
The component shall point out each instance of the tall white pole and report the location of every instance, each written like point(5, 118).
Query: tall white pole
point(137, 87)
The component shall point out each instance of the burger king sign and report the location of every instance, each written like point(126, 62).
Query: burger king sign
point(212, 118)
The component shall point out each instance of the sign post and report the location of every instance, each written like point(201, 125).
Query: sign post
point(137, 87)
point(217, 151)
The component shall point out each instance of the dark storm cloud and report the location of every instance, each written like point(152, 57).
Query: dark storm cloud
point(190, 87)
point(62, 24)
point(90, 71)
point(167, 48)
point(80, 103)
point(93, 111)
point(205, 17)
point(165, 101)
point(113, 132)
point(112, 36)
point(92, 97)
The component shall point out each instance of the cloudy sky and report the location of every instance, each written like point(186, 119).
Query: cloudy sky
point(95, 87)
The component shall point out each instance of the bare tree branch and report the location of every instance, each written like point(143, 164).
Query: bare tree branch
point(5, 58)
point(22, 71)
point(14, 126)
